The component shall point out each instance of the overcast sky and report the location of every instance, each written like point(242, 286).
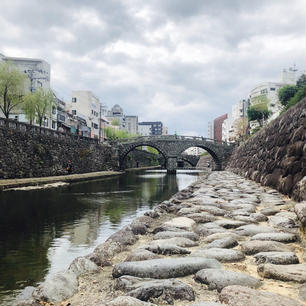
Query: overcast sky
point(182, 62)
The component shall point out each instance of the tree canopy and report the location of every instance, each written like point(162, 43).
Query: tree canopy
point(11, 87)
point(38, 105)
point(286, 93)
point(259, 112)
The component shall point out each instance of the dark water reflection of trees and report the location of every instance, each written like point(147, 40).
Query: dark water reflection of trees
point(43, 231)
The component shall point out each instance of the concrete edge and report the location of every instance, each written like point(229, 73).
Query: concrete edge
point(34, 181)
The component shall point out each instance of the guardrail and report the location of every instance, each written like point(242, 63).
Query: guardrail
point(33, 129)
point(170, 138)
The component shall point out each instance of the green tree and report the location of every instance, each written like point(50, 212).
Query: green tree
point(300, 94)
point(38, 105)
point(28, 107)
point(11, 87)
point(259, 112)
point(115, 122)
point(152, 150)
point(286, 93)
point(301, 81)
point(113, 134)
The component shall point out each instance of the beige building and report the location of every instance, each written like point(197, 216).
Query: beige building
point(86, 105)
point(131, 124)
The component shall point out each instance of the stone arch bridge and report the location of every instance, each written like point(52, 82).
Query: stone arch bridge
point(172, 147)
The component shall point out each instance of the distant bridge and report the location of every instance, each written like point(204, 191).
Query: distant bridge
point(172, 147)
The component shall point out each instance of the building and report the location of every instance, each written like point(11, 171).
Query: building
point(131, 124)
point(288, 76)
point(228, 129)
point(156, 127)
point(267, 92)
point(210, 132)
point(144, 130)
point(36, 70)
point(38, 76)
point(194, 151)
point(218, 127)
point(85, 105)
point(116, 114)
point(165, 130)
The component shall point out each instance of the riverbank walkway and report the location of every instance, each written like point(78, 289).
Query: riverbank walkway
point(223, 241)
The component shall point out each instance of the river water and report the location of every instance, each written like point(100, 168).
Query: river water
point(42, 231)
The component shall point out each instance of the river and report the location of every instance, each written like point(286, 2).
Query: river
point(42, 231)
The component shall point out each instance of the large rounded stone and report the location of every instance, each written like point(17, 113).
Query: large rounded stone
point(222, 255)
point(181, 222)
point(294, 273)
point(179, 241)
point(253, 229)
point(148, 289)
point(141, 254)
point(227, 242)
point(229, 223)
point(164, 268)
point(278, 258)
point(225, 234)
point(257, 246)
point(207, 229)
point(244, 296)
point(184, 234)
point(218, 279)
point(280, 237)
point(128, 301)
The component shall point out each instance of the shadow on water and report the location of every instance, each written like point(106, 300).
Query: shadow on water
point(42, 231)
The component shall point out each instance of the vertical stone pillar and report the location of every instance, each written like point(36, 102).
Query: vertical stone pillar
point(171, 164)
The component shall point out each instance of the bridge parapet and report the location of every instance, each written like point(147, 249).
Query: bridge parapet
point(171, 138)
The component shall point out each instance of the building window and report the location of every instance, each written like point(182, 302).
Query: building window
point(73, 112)
point(74, 100)
point(95, 126)
point(53, 110)
point(53, 124)
point(16, 118)
point(272, 89)
point(39, 84)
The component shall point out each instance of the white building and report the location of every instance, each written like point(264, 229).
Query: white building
point(268, 91)
point(194, 151)
point(288, 76)
point(210, 132)
point(116, 114)
point(131, 124)
point(144, 130)
point(38, 76)
point(86, 105)
point(228, 129)
point(164, 130)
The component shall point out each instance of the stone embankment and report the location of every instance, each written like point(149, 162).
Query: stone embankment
point(223, 241)
point(276, 155)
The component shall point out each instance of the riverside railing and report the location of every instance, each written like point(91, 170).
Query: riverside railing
point(33, 129)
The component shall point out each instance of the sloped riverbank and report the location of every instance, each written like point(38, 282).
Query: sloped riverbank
point(224, 239)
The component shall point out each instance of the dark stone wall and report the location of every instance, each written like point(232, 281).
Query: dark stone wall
point(140, 157)
point(26, 153)
point(276, 155)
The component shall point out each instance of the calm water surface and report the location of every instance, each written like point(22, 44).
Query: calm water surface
point(42, 231)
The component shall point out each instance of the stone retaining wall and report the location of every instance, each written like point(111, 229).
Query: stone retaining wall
point(140, 158)
point(276, 155)
point(29, 153)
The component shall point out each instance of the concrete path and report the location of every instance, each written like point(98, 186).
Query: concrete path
point(196, 249)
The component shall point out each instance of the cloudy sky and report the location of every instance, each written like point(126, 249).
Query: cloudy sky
point(183, 62)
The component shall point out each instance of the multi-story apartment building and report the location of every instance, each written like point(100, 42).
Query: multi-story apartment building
point(38, 76)
point(84, 104)
point(131, 124)
point(144, 130)
point(210, 131)
point(155, 126)
point(194, 151)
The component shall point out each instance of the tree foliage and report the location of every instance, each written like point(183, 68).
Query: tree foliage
point(152, 150)
point(241, 128)
point(259, 112)
point(300, 93)
point(286, 93)
point(115, 122)
point(11, 87)
point(38, 105)
point(113, 134)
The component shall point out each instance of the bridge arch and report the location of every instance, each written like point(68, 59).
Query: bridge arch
point(216, 158)
point(133, 146)
point(188, 161)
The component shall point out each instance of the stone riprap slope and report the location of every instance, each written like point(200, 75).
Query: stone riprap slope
point(224, 240)
point(276, 155)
